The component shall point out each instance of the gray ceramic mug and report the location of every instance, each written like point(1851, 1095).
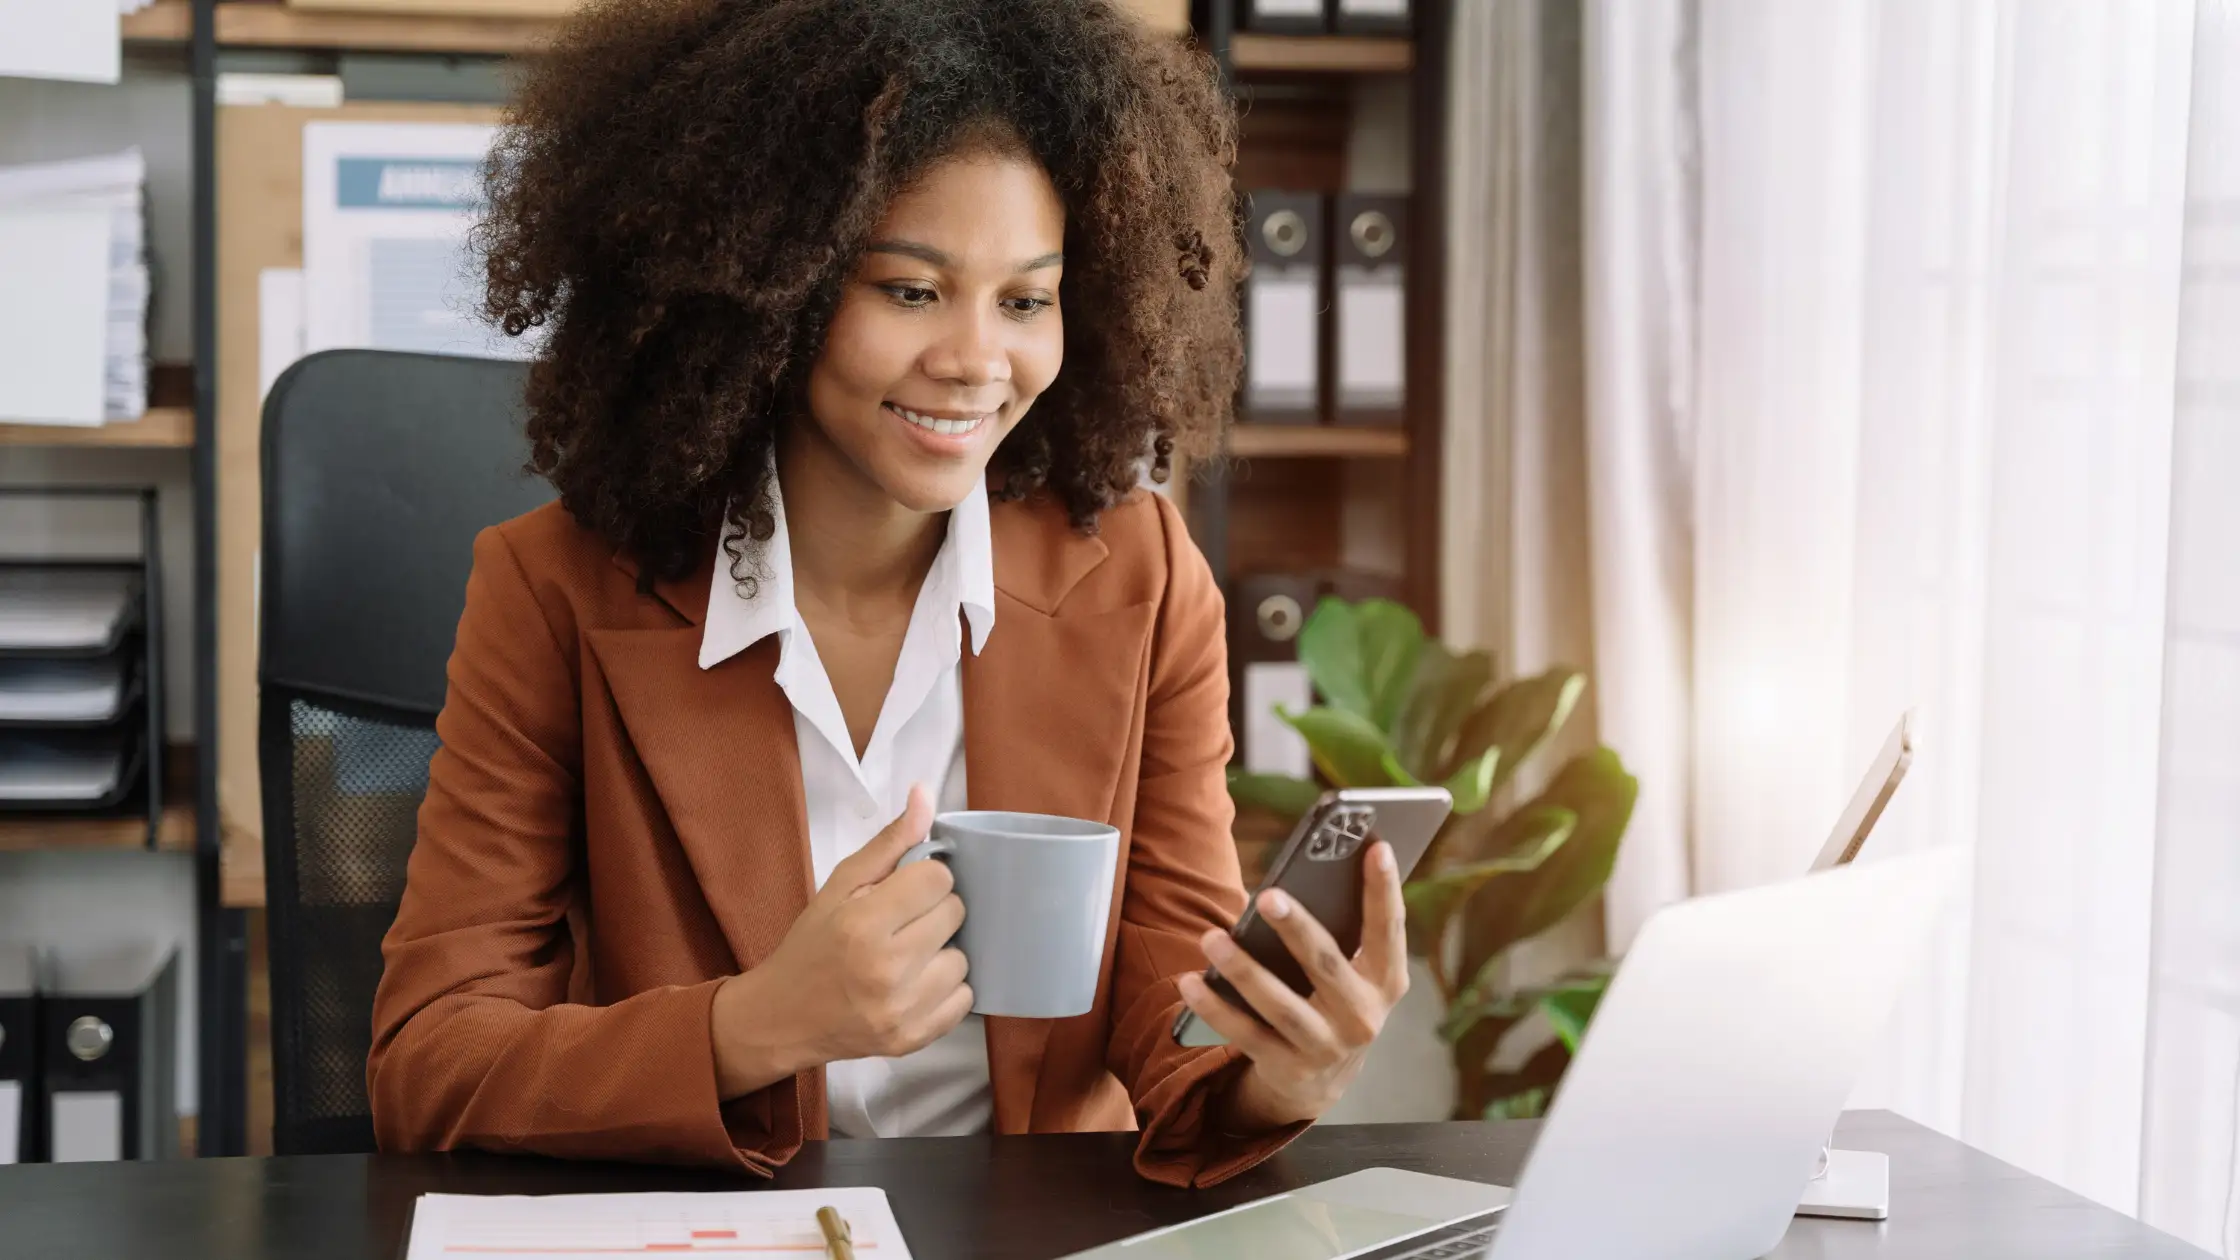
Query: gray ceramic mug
point(1037, 891)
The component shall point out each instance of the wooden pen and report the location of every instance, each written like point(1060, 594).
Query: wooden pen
point(839, 1244)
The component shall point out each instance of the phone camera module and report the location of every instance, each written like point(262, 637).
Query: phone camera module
point(1342, 834)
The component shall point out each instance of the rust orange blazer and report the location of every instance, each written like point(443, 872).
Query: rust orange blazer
point(610, 831)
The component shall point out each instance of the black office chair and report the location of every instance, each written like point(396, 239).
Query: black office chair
point(379, 469)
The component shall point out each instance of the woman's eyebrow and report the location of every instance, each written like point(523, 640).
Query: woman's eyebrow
point(933, 257)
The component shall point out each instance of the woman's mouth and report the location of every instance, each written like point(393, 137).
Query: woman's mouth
point(947, 424)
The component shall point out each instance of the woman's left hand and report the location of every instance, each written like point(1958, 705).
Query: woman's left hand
point(1310, 1049)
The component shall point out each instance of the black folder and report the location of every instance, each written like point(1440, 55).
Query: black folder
point(108, 1053)
point(1371, 309)
point(1284, 301)
point(19, 1054)
point(1266, 613)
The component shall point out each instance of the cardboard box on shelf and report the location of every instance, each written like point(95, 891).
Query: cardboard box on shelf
point(260, 227)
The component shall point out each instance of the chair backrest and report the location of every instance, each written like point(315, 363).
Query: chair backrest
point(379, 469)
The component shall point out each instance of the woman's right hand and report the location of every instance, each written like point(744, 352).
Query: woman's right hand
point(865, 971)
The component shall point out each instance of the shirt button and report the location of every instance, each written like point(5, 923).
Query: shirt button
point(863, 809)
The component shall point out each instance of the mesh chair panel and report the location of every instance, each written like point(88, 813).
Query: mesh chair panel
point(356, 786)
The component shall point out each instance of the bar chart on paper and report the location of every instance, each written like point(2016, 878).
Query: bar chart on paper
point(575, 1226)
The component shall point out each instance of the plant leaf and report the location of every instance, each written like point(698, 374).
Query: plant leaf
point(1517, 720)
point(1595, 787)
point(1362, 657)
point(1432, 902)
point(1472, 785)
point(1528, 1104)
point(1276, 793)
point(1569, 1007)
point(1525, 1093)
point(1348, 750)
point(1471, 1011)
point(1446, 690)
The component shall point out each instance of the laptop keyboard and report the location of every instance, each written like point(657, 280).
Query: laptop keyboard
point(1467, 1247)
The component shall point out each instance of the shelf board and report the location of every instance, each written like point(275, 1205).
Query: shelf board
point(1321, 54)
point(164, 22)
point(174, 835)
point(245, 25)
point(160, 427)
point(282, 26)
point(1308, 441)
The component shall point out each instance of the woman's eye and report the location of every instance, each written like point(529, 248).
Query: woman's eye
point(1023, 307)
point(909, 294)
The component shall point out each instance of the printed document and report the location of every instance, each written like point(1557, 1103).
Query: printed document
point(386, 212)
point(576, 1226)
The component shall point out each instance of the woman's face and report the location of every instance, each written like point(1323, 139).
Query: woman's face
point(947, 331)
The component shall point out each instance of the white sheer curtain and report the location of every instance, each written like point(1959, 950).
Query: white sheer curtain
point(1908, 334)
point(1941, 250)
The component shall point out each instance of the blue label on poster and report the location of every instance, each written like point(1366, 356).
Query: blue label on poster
point(363, 183)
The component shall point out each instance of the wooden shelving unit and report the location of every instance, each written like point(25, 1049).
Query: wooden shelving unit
point(278, 26)
point(1320, 54)
point(1307, 441)
point(1325, 499)
point(161, 427)
point(174, 835)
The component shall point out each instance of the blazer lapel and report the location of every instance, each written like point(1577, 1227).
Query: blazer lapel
point(1047, 704)
point(719, 747)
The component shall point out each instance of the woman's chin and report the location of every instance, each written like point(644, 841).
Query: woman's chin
point(924, 486)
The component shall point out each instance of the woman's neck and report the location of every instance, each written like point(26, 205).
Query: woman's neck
point(854, 549)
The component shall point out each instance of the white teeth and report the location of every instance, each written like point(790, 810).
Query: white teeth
point(937, 424)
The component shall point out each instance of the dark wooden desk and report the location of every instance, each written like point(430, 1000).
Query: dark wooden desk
point(1029, 1198)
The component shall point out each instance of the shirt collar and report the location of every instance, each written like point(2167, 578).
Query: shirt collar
point(737, 621)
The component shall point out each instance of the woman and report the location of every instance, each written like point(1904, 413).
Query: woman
point(864, 319)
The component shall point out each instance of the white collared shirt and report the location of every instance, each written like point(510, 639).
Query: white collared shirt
point(941, 1089)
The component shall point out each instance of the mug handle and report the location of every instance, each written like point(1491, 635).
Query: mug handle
point(934, 847)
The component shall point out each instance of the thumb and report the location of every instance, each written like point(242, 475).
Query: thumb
point(875, 860)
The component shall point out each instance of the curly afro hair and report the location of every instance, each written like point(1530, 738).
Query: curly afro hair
point(685, 185)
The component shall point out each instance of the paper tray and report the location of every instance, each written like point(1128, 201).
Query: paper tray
point(66, 692)
point(66, 612)
point(74, 773)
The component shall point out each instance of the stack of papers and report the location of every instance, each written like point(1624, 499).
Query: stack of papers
point(74, 267)
point(64, 39)
point(575, 1226)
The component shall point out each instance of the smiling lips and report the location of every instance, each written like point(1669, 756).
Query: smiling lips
point(953, 425)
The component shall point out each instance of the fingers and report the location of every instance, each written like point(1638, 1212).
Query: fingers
point(943, 974)
point(925, 1007)
point(941, 996)
point(875, 860)
point(1383, 961)
point(1299, 1024)
point(951, 1011)
point(1239, 1029)
point(1352, 1005)
point(922, 936)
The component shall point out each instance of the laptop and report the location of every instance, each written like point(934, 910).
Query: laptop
point(1691, 1119)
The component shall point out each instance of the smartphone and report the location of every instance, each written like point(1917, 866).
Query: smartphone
point(1870, 798)
point(1321, 868)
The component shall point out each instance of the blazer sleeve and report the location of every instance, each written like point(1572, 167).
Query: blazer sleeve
point(474, 1041)
point(1182, 878)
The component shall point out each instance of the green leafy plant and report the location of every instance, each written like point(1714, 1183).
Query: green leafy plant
point(1400, 708)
